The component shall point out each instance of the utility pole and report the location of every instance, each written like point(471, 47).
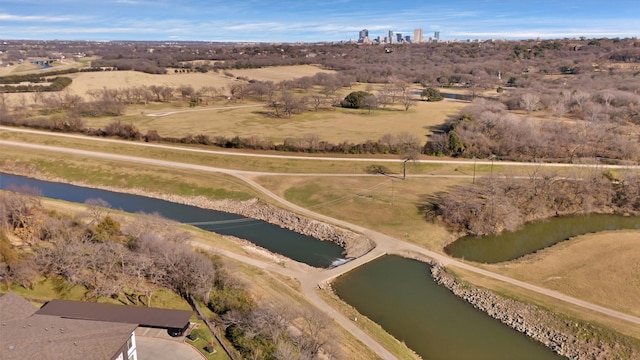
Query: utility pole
point(474, 170)
point(404, 169)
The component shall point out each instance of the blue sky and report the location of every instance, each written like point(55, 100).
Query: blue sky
point(321, 20)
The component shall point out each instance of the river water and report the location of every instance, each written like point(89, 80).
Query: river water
point(289, 243)
point(535, 236)
point(431, 320)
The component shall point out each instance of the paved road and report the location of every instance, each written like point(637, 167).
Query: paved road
point(311, 279)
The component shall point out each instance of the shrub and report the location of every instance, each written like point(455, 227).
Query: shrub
point(355, 100)
point(431, 94)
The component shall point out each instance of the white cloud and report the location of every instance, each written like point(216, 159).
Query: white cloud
point(29, 18)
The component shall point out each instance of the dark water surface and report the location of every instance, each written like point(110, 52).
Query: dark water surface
point(400, 295)
point(296, 246)
point(535, 236)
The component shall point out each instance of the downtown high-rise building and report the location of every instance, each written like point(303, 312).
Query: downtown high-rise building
point(364, 34)
point(418, 36)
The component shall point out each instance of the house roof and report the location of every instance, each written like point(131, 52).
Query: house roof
point(143, 316)
point(14, 307)
point(25, 334)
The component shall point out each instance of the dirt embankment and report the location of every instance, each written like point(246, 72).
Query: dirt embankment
point(564, 336)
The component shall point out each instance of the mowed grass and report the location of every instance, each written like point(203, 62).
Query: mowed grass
point(388, 205)
point(602, 268)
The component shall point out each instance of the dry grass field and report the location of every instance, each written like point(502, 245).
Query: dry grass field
point(279, 73)
point(335, 125)
point(82, 82)
point(603, 268)
point(124, 79)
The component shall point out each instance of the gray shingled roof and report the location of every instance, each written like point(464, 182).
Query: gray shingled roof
point(14, 306)
point(28, 335)
point(143, 316)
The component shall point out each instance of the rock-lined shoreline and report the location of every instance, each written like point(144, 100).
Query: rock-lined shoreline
point(560, 335)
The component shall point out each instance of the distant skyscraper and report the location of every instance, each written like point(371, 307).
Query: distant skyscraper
point(418, 37)
point(364, 34)
point(399, 37)
point(436, 35)
point(392, 39)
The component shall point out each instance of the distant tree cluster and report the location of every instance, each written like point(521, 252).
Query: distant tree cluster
point(36, 82)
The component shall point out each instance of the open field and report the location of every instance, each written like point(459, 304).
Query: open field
point(602, 268)
point(335, 125)
point(82, 82)
point(279, 73)
point(85, 81)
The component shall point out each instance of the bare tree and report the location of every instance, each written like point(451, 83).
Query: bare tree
point(529, 101)
point(371, 103)
point(407, 101)
point(97, 209)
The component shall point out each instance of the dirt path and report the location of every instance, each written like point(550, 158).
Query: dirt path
point(311, 279)
point(319, 158)
point(162, 114)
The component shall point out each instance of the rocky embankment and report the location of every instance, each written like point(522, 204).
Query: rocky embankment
point(355, 245)
point(565, 337)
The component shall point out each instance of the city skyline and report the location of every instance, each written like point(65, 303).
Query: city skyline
point(329, 20)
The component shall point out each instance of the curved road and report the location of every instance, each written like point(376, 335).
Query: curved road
point(311, 279)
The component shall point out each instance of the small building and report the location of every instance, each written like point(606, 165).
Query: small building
point(64, 329)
